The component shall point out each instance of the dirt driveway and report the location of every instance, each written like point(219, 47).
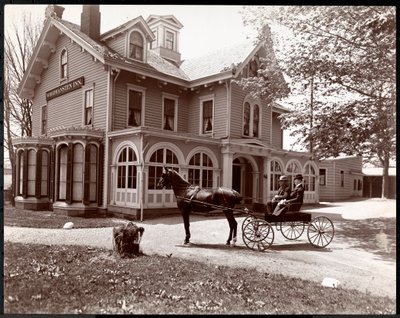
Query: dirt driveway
point(353, 268)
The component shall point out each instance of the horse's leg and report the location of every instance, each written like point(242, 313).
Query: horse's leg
point(232, 227)
point(186, 223)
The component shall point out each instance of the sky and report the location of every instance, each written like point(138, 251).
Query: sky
point(205, 27)
point(213, 26)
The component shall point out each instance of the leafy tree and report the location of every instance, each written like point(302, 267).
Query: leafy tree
point(341, 60)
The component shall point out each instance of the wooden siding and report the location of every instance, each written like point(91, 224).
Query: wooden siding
point(276, 136)
point(237, 98)
point(333, 190)
point(153, 103)
point(117, 44)
point(68, 110)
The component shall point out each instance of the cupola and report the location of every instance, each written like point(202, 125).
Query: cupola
point(166, 31)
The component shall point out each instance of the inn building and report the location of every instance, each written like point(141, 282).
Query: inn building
point(111, 110)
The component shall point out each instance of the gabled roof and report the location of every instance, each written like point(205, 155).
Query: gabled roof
point(126, 26)
point(219, 65)
point(169, 19)
point(374, 172)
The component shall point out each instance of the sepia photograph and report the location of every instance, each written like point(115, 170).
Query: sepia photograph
point(199, 159)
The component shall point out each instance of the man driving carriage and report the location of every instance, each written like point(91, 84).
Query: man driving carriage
point(295, 200)
point(283, 193)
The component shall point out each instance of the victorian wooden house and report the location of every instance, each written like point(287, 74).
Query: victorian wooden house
point(111, 110)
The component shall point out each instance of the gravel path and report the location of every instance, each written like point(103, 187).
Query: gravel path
point(353, 268)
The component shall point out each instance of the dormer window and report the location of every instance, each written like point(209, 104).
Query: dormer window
point(64, 64)
point(136, 46)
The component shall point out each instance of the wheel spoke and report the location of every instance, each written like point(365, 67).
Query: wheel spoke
point(320, 231)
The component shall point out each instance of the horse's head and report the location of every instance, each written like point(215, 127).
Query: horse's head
point(165, 179)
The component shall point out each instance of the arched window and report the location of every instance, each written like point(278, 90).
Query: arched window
point(256, 120)
point(44, 173)
point(251, 120)
point(62, 172)
point(246, 119)
point(64, 64)
point(201, 170)
point(136, 46)
point(20, 172)
point(276, 172)
point(31, 172)
point(126, 169)
point(158, 160)
point(309, 178)
point(77, 173)
point(292, 169)
point(91, 173)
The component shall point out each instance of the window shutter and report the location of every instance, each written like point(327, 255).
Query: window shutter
point(68, 196)
point(86, 180)
point(38, 178)
point(100, 165)
point(25, 175)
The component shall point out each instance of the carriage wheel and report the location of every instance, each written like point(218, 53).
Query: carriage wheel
point(246, 221)
point(320, 231)
point(292, 230)
point(258, 235)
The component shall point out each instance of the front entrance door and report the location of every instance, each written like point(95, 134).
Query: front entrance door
point(236, 177)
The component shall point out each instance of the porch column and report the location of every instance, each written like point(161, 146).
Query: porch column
point(227, 160)
point(266, 179)
point(256, 185)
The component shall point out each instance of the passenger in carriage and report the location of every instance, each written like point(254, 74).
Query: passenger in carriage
point(283, 193)
point(295, 200)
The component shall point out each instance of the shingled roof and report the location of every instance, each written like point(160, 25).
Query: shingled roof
point(217, 64)
point(191, 69)
point(217, 61)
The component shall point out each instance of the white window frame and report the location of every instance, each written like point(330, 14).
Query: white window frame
point(84, 105)
point(138, 89)
point(175, 98)
point(252, 103)
point(128, 42)
point(174, 44)
point(203, 99)
point(41, 120)
point(63, 78)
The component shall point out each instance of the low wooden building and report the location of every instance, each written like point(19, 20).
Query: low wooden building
point(340, 178)
point(373, 182)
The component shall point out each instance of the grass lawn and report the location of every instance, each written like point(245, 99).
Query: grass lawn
point(65, 279)
point(77, 279)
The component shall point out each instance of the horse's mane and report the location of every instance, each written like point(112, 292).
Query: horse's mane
point(179, 180)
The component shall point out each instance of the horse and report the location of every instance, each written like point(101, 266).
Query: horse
point(192, 198)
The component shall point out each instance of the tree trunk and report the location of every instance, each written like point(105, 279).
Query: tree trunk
point(385, 179)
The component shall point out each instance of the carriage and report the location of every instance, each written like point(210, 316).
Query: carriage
point(258, 233)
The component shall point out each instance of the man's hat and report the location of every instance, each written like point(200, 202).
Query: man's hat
point(298, 176)
point(283, 178)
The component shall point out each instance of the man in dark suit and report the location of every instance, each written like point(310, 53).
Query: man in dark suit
point(295, 200)
point(283, 193)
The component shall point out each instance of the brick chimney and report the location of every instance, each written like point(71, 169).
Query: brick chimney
point(54, 11)
point(90, 21)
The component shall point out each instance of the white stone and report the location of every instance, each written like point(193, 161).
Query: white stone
point(68, 225)
point(330, 282)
